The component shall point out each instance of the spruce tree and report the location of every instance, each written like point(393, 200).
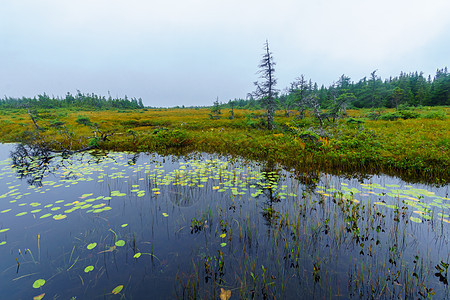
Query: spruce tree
point(265, 90)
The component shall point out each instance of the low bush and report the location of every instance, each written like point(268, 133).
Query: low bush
point(82, 120)
point(439, 115)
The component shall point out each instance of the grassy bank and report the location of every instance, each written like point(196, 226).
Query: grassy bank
point(412, 144)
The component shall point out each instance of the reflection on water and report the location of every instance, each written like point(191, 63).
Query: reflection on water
point(140, 225)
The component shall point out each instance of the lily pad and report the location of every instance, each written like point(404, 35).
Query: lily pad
point(88, 269)
point(38, 283)
point(416, 220)
point(91, 246)
point(137, 255)
point(120, 243)
point(117, 289)
point(59, 217)
point(39, 297)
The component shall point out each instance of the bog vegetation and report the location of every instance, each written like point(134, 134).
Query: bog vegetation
point(366, 126)
point(412, 142)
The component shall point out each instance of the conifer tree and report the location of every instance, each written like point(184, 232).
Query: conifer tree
point(265, 90)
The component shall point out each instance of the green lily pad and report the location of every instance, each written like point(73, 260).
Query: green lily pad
point(91, 246)
point(137, 255)
point(59, 217)
point(38, 283)
point(88, 269)
point(117, 289)
point(120, 243)
point(416, 220)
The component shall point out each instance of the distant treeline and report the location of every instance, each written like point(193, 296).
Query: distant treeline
point(411, 89)
point(80, 100)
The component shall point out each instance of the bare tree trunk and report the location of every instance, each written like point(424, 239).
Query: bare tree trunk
point(270, 114)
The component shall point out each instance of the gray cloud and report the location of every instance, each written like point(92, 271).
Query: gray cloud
point(189, 52)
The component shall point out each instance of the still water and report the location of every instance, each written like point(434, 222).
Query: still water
point(142, 226)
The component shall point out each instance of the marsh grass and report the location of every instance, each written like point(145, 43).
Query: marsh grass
point(414, 149)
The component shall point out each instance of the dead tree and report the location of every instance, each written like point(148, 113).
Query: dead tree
point(265, 90)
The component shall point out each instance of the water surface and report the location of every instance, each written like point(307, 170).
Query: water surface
point(112, 225)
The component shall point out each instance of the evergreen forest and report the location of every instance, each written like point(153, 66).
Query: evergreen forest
point(407, 89)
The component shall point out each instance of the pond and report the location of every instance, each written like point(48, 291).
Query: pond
point(140, 226)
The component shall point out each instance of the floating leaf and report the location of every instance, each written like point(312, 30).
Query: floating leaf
point(59, 217)
point(4, 230)
point(2, 243)
point(117, 289)
point(392, 206)
point(21, 214)
point(223, 244)
point(124, 225)
point(165, 215)
point(416, 220)
point(120, 243)
point(88, 269)
point(39, 297)
point(45, 216)
point(137, 255)
point(91, 246)
point(223, 235)
point(38, 283)
point(224, 294)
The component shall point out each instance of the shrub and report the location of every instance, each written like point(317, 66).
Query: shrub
point(403, 114)
point(94, 142)
point(408, 114)
point(82, 120)
point(440, 115)
point(171, 137)
point(56, 123)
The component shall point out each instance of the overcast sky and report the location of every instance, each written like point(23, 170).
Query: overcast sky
point(188, 52)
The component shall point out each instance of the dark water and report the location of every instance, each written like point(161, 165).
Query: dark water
point(198, 227)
